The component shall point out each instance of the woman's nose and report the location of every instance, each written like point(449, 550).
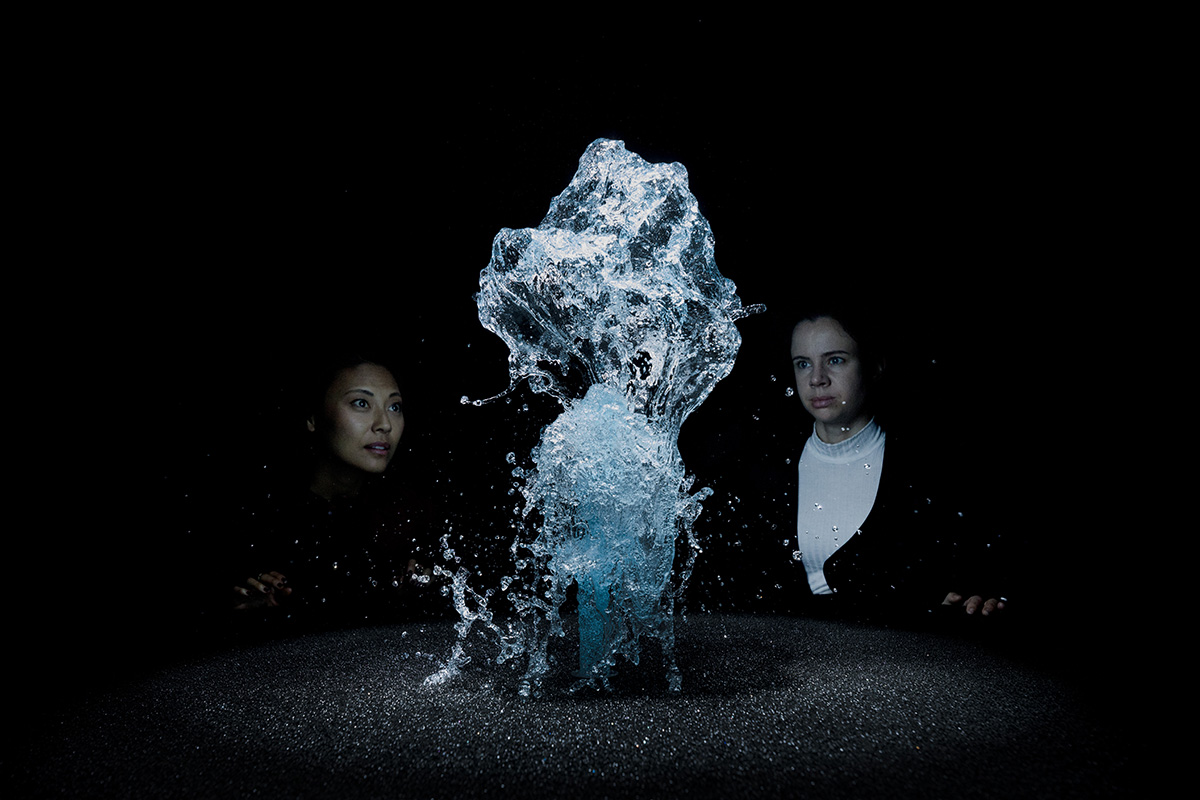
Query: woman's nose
point(817, 377)
point(382, 423)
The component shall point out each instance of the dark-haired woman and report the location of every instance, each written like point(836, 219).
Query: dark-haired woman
point(341, 548)
point(869, 527)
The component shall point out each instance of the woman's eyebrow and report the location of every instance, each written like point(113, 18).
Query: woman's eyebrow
point(369, 393)
point(827, 353)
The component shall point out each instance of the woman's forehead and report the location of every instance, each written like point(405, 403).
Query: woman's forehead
point(371, 376)
point(823, 334)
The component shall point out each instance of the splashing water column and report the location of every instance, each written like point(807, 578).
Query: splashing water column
point(609, 522)
point(614, 306)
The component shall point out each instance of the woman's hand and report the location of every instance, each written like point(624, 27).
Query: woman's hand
point(266, 590)
point(975, 603)
point(417, 574)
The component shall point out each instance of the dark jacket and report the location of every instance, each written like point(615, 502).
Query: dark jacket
point(921, 540)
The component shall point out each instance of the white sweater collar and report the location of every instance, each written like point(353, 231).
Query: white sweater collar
point(866, 441)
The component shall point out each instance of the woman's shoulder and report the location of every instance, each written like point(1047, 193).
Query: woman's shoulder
point(910, 449)
point(932, 468)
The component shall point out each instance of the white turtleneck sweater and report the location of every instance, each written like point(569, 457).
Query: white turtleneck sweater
point(838, 484)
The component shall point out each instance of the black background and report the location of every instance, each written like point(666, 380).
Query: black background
point(238, 202)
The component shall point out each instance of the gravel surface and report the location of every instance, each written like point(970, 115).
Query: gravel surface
point(771, 707)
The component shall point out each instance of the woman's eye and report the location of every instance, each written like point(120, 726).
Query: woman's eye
point(358, 402)
point(836, 360)
point(396, 408)
point(801, 365)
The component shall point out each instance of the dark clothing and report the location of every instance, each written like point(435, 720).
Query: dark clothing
point(348, 557)
point(346, 560)
point(920, 541)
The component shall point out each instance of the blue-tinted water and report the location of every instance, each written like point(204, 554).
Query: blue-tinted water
point(613, 305)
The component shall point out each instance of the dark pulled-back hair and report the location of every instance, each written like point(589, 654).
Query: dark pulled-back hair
point(866, 326)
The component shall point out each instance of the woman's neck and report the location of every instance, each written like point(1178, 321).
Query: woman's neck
point(332, 479)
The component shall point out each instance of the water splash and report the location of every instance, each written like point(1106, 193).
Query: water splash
point(614, 306)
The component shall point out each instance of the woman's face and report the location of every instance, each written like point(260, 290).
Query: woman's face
point(363, 418)
point(829, 378)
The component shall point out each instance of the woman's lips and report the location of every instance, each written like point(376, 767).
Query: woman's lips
point(821, 402)
point(379, 448)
